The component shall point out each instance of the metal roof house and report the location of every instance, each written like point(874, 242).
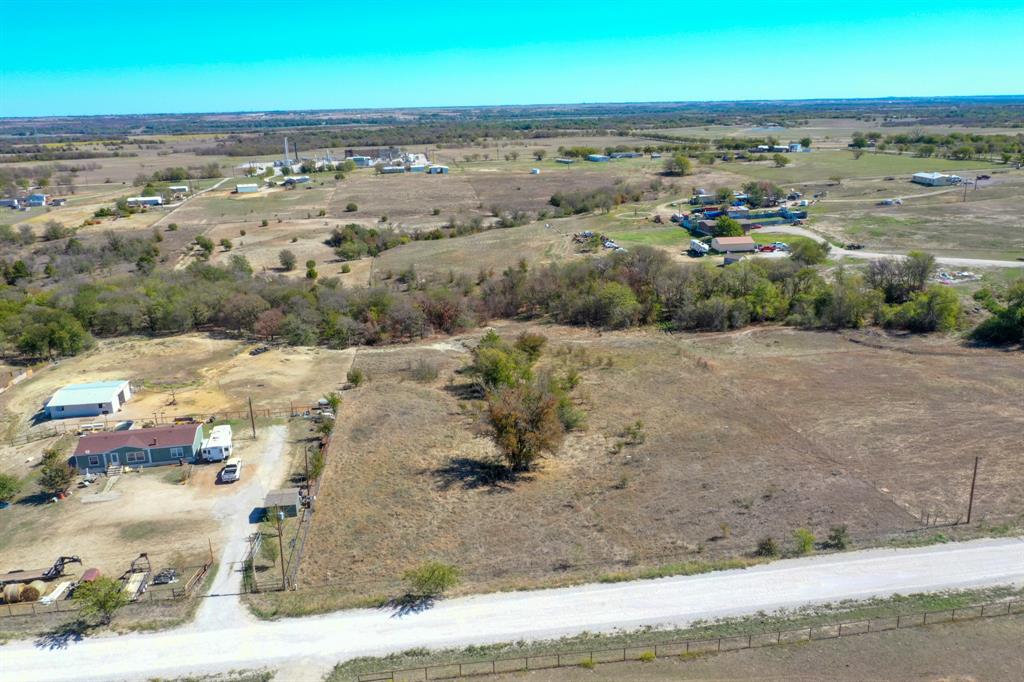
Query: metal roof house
point(437, 170)
point(37, 199)
point(936, 179)
point(88, 400)
point(145, 201)
point(598, 158)
point(138, 447)
point(247, 188)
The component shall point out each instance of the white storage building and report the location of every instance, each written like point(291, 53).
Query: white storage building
point(145, 201)
point(936, 179)
point(88, 400)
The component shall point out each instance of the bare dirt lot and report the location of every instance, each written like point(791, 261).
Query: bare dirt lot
point(744, 435)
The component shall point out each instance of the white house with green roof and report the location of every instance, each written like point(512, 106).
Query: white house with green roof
point(89, 400)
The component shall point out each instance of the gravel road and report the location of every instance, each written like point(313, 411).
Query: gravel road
point(323, 640)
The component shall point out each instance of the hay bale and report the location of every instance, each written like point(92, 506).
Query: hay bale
point(12, 593)
point(33, 591)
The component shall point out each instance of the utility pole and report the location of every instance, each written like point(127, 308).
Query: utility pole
point(974, 479)
point(305, 453)
point(280, 544)
point(252, 419)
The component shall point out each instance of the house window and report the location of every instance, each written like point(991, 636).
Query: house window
point(94, 460)
point(135, 457)
point(177, 452)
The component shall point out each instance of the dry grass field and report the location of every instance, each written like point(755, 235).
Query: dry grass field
point(960, 652)
point(745, 434)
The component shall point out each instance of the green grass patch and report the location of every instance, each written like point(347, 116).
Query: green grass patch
point(145, 530)
point(679, 568)
point(654, 236)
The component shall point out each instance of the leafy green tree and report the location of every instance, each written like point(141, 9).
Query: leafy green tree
point(726, 227)
point(1007, 322)
point(431, 579)
point(810, 252)
point(10, 486)
point(803, 541)
point(205, 245)
point(56, 476)
point(225, 244)
point(539, 154)
point(525, 423)
point(805, 142)
point(101, 599)
point(767, 547)
point(937, 308)
point(287, 260)
point(780, 160)
point(678, 164)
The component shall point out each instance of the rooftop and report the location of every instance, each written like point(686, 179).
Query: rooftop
point(157, 437)
point(285, 497)
point(734, 240)
point(82, 394)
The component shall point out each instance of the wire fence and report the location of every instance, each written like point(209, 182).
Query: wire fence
point(642, 652)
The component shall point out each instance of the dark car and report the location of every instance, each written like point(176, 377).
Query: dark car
point(166, 577)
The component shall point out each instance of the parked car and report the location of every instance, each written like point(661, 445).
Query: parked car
point(232, 471)
point(854, 246)
point(755, 226)
point(259, 350)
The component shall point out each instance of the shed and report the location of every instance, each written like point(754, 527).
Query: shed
point(392, 169)
point(598, 158)
point(361, 161)
point(179, 189)
point(145, 201)
point(738, 212)
point(287, 500)
point(566, 161)
point(248, 188)
point(138, 447)
point(733, 244)
point(89, 400)
point(438, 170)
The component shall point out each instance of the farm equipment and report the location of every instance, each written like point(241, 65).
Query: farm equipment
point(136, 579)
point(51, 573)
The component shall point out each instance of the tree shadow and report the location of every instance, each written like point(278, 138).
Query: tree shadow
point(36, 499)
point(469, 390)
point(470, 474)
point(64, 634)
point(409, 604)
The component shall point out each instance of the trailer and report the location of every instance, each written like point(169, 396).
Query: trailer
point(135, 580)
point(698, 248)
point(51, 573)
point(218, 446)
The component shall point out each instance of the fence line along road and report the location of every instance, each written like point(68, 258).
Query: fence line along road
point(639, 652)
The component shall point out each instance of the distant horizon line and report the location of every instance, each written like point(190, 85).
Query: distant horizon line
point(240, 112)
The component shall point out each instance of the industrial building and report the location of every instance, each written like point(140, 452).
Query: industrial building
point(145, 201)
point(936, 179)
point(89, 400)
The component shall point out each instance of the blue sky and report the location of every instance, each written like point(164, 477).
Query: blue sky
point(96, 57)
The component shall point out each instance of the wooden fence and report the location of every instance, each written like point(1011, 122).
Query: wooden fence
point(639, 652)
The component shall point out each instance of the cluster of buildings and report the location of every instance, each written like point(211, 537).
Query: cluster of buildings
point(136, 447)
point(30, 201)
point(778, 148)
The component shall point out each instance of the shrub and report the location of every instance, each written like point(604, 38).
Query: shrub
point(351, 207)
point(525, 422)
point(810, 252)
point(226, 243)
point(10, 486)
point(646, 657)
point(346, 268)
point(424, 371)
point(356, 377)
point(767, 547)
point(264, 222)
point(431, 579)
point(803, 540)
point(838, 538)
point(287, 260)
